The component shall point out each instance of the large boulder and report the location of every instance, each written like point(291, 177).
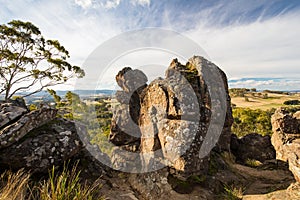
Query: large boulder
point(47, 145)
point(15, 131)
point(38, 140)
point(168, 120)
point(286, 139)
point(126, 114)
point(252, 146)
point(10, 112)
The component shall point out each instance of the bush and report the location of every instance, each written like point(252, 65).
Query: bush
point(292, 102)
point(248, 121)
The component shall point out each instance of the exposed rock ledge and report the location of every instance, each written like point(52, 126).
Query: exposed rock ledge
point(38, 140)
point(286, 139)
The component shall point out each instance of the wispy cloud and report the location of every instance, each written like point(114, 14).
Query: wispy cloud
point(111, 4)
point(287, 84)
point(141, 2)
point(263, 47)
point(84, 3)
point(256, 38)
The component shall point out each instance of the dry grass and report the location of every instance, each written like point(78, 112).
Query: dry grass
point(15, 185)
point(67, 186)
point(59, 186)
point(255, 102)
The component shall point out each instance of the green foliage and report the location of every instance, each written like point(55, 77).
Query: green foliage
point(71, 107)
point(96, 116)
point(32, 107)
point(253, 163)
point(292, 102)
point(248, 121)
point(57, 98)
point(232, 193)
point(29, 62)
point(238, 92)
point(276, 92)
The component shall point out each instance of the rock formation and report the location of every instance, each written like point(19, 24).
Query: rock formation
point(169, 132)
point(168, 120)
point(286, 139)
point(37, 140)
point(252, 146)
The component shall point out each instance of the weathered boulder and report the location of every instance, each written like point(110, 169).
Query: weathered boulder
point(286, 139)
point(171, 117)
point(176, 114)
point(38, 140)
point(124, 126)
point(9, 112)
point(50, 144)
point(252, 146)
point(15, 131)
point(131, 80)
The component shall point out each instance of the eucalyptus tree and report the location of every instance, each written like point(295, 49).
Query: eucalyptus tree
point(30, 63)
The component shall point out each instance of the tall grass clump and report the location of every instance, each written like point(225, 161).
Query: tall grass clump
point(232, 193)
point(14, 185)
point(66, 186)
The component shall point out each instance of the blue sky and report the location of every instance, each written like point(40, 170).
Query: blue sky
point(256, 42)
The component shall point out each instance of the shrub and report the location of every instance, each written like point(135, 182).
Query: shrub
point(292, 102)
point(248, 121)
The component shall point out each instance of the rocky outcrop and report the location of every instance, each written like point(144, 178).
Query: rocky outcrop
point(124, 128)
point(47, 145)
point(38, 140)
point(173, 121)
point(10, 112)
point(15, 131)
point(286, 139)
point(252, 146)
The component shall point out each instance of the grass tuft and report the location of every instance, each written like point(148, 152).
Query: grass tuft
point(232, 193)
point(14, 185)
point(65, 185)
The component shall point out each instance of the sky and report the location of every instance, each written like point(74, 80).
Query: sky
point(255, 42)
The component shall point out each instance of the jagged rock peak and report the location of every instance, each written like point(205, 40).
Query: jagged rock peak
point(171, 116)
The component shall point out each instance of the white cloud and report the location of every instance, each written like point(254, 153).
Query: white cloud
point(140, 2)
point(261, 48)
point(111, 4)
point(257, 49)
point(84, 3)
point(272, 84)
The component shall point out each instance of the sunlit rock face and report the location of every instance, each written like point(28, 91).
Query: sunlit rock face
point(171, 116)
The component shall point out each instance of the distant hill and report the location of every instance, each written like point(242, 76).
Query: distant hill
point(82, 93)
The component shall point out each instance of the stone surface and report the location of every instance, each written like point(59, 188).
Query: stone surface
point(9, 112)
point(286, 139)
point(124, 126)
point(252, 146)
point(15, 131)
point(50, 144)
point(170, 117)
point(38, 140)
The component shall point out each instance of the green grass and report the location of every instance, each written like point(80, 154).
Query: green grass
point(253, 163)
point(232, 193)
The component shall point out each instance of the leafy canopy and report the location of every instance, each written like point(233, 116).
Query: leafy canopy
point(29, 63)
